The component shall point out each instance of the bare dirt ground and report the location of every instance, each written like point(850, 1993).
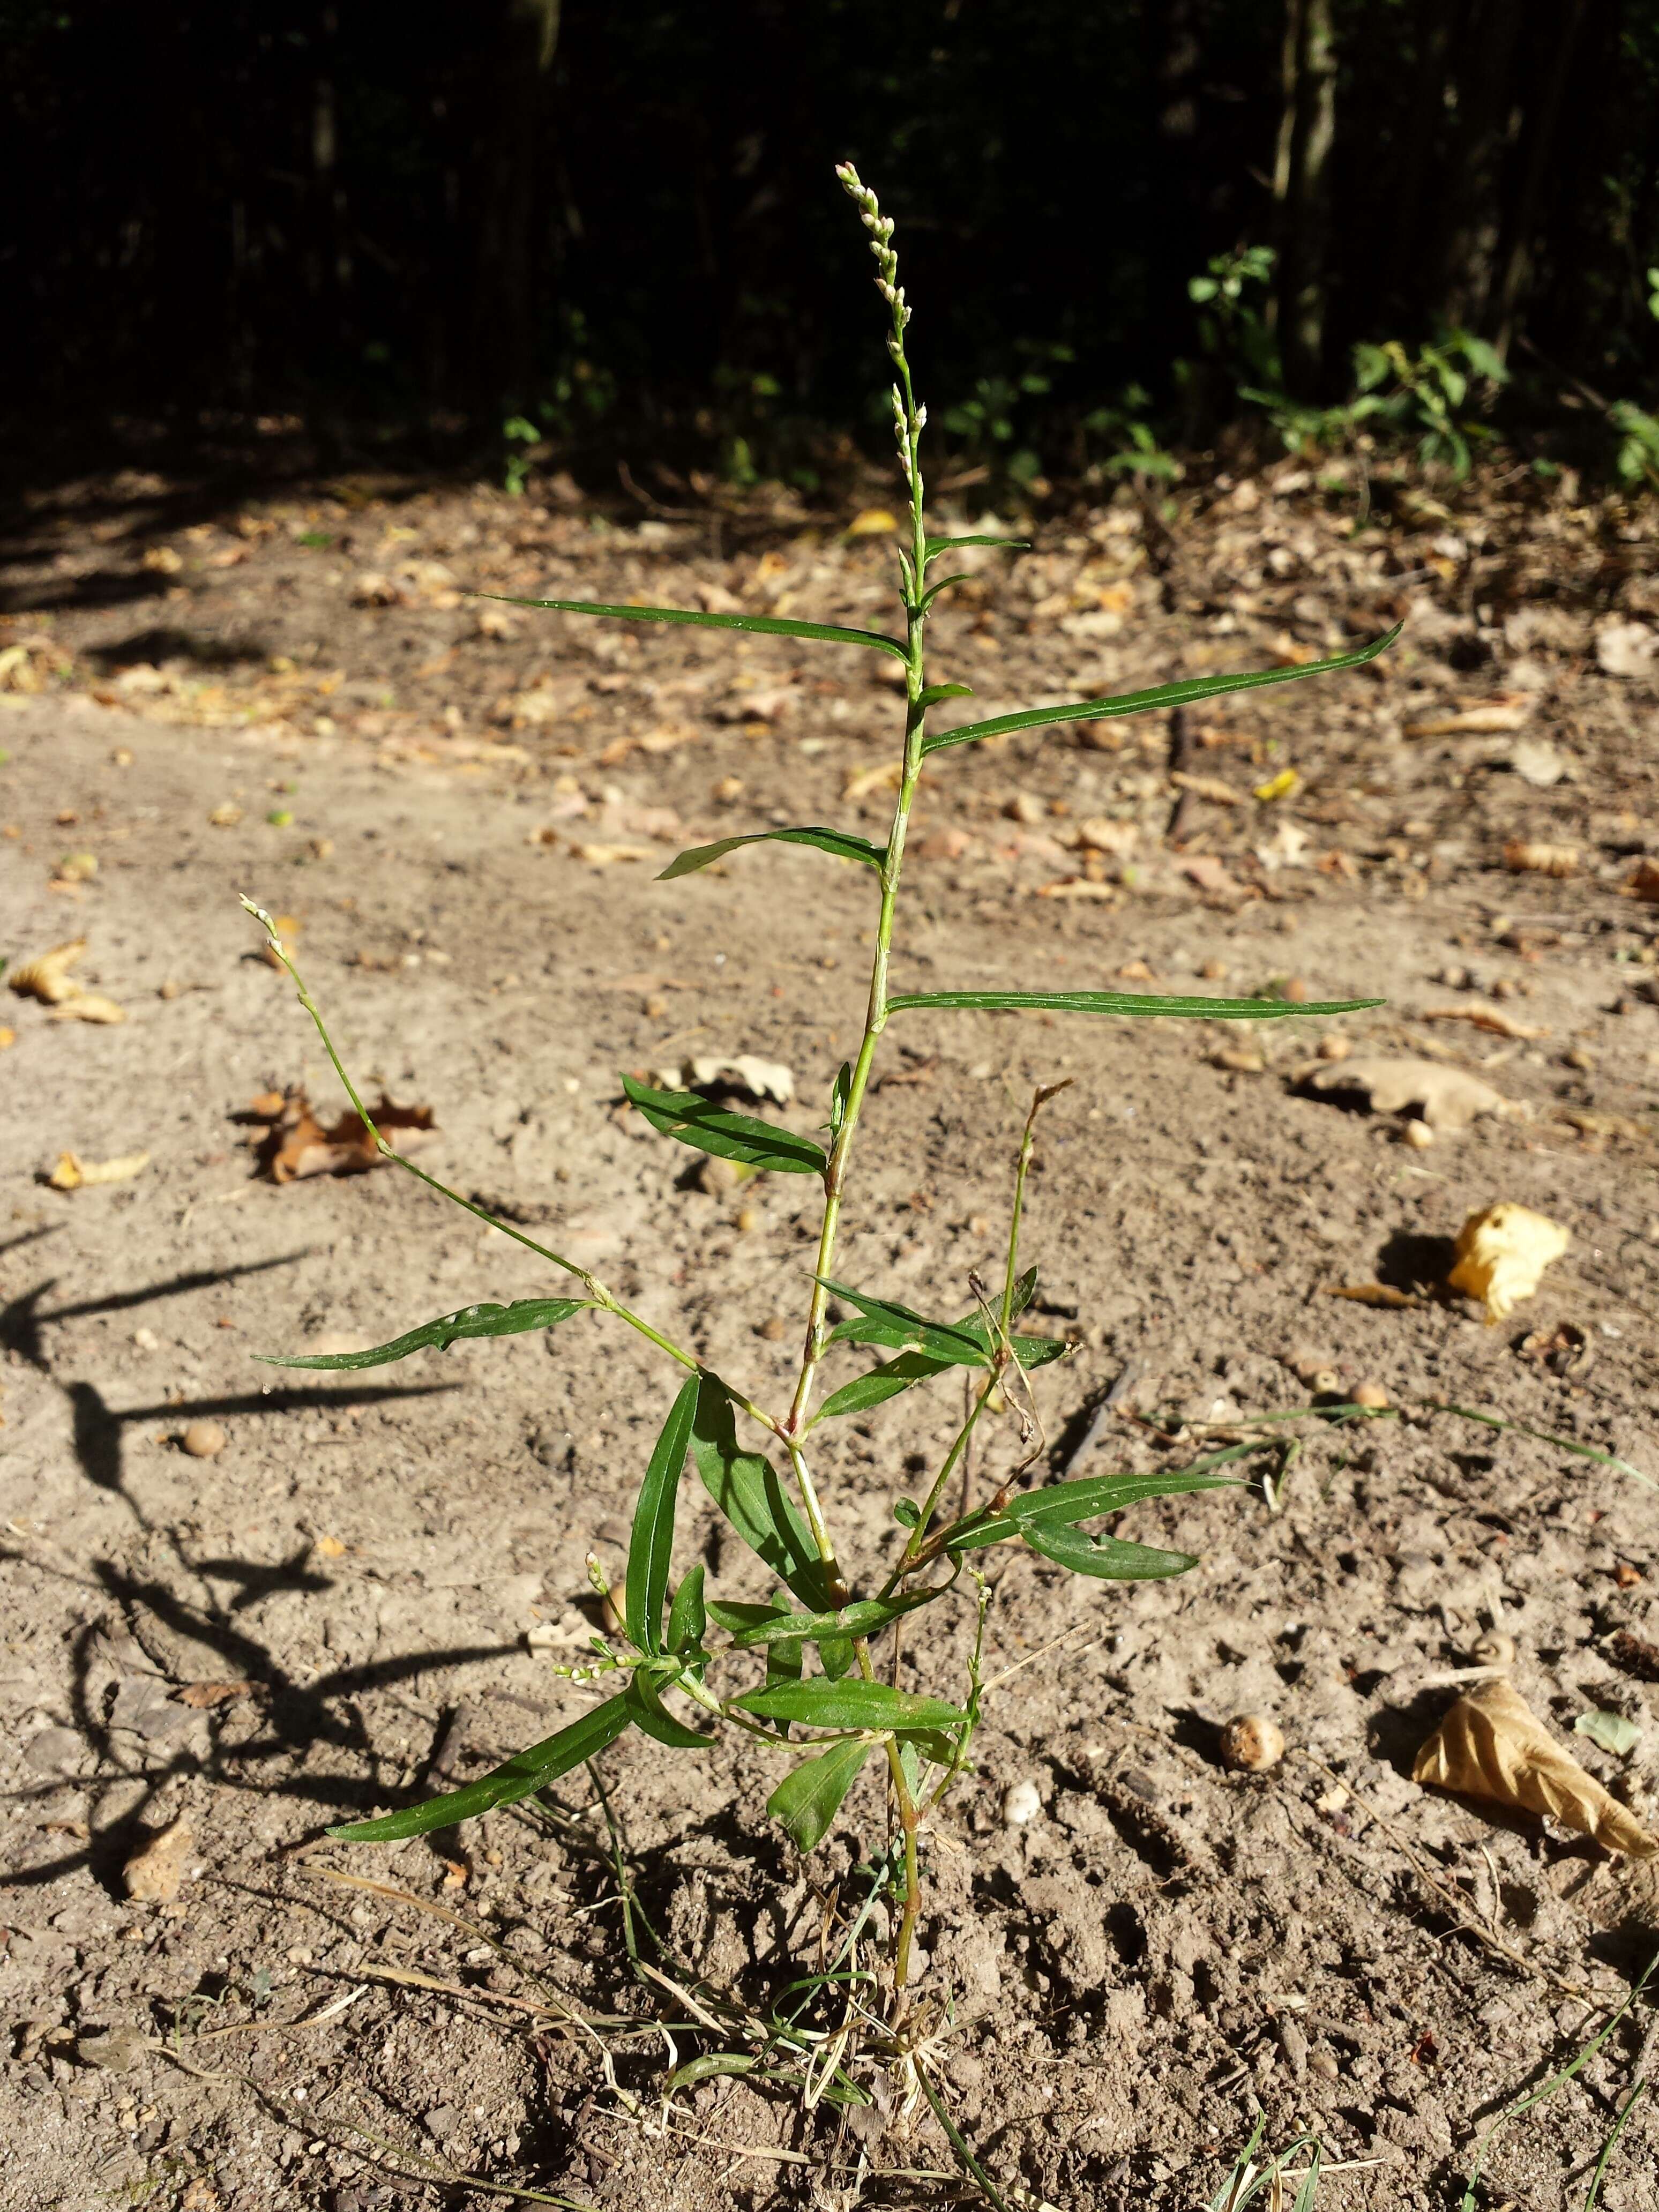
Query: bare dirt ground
point(461, 810)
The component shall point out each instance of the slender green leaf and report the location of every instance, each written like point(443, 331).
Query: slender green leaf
point(938, 545)
point(1103, 1557)
point(806, 1800)
point(1166, 695)
point(883, 1322)
point(943, 584)
point(746, 1488)
point(836, 1656)
point(936, 692)
point(867, 1617)
point(650, 1546)
point(647, 1711)
point(853, 1704)
point(768, 625)
point(687, 1617)
point(886, 1382)
point(709, 1128)
point(840, 842)
point(1061, 1504)
point(437, 1335)
point(517, 1777)
point(740, 1618)
point(1142, 1003)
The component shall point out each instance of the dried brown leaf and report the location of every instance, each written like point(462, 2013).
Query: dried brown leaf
point(73, 1173)
point(295, 1145)
point(1523, 857)
point(1445, 1097)
point(1482, 1017)
point(46, 977)
point(1501, 1255)
point(88, 1007)
point(1491, 1745)
point(1371, 1294)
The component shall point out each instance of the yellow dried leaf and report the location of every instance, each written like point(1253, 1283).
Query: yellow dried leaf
point(1278, 786)
point(1493, 1020)
point(872, 522)
point(1077, 887)
point(1501, 1255)
point(76, 868)
point(605, 856)
point(1491, 1745)
point(46, 977)
point(864, 780)
point(1523, 858)
point(226, 817)
point(73, 1173)
point(1371, 1294)
point(88, 1007)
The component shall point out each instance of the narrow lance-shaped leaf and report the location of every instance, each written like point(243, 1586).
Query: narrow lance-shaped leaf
point(886, 1382)
point(1166, 695)
point(807, 1800)
point(450, 1328)
point(687, 1617)
point(1141, 1004)
point(526, 1771)
point(841, 843)
point(746, 1488)
point(851, 1705)
point(867, 1617)
point(881, 1320)
point(650, 1546)
point(647, 1711)
point(1062, 1504)
point(935, 693)
point(696, 1122)
point(938, 545)
point(1103, 1557)
point(768, 625)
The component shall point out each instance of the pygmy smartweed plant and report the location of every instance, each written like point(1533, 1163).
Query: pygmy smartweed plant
point(823, 1709)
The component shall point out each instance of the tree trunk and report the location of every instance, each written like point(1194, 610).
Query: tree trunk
point(1489, 121)
point(504, 300)
point(1301, 186)
point(1517, 262)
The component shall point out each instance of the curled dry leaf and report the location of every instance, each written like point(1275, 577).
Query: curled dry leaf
point(88, 1007)
point(73, 1173)
point(1445, 1097)
point(1522, 857)
point(1077, 887)
point(1371, 1294)
point(1492, 1020)
point(152, 1874)
point(606, 856)
point(294, 1145)
point(46, 977)
point(1491, 1745)
point(1501, 1255)
point(758, 1079)
point(1101, 835)
point(1643, 884)
point(1207, 786)
point(1496, 715)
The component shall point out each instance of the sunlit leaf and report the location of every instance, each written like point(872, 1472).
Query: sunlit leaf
point(938, 545)
point(806, 1800)
point(840, 843)
point(687, 1618)
point(1166, 695)
point(880, 1321)
point(867, 1617)
point(768, 625)
point(516, 1777)
point(1133, 1003)
point(851, 1705)
point(472, 1321)
point(746, 1488)
point(912, 1367)
point(936, 692)
point(696, 1122)
point(648, 1715)
point(1103, 1557)
point(1061, 1504)
point(650, 1546)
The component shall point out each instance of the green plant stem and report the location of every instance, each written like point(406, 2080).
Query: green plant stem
point(596, 1289)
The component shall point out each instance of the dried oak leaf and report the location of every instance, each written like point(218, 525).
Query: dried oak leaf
point(88, 1007)
point(46, 977)
point(1501, 1255)
point(1525, 857)
point(73, 1173)
point(1444, 1097)
point(295, 1145)
point(1490, 1745)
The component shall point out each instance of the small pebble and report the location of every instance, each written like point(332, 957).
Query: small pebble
point(1494, 1649)
point(1021, 1803)
point(1370, 1394)
point(1418, 1135)
point(1335, 1046)
point(203, 1440)
point(1250, 1744)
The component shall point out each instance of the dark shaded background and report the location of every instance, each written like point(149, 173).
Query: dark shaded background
point(430, 214)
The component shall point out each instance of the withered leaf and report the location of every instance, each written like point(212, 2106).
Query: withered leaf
point(1372, 1294)
point(294, 1145)
point(1491, 1745)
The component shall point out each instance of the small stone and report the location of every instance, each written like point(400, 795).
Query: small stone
point(1323, 2064)
point(774, 1328)
point(1494, 1649)
point(1250, 1744)
point(1372, 1394)
point(747, 1220)
point(1025, 807)
point(441, 2122)
point(1418, 1135)
point(53, 1751)
point(1336, 1046)
point(119, 2050)
point(718, 1177)
point(1021, 1803)
point(152, 1874)
point(203, 1440)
